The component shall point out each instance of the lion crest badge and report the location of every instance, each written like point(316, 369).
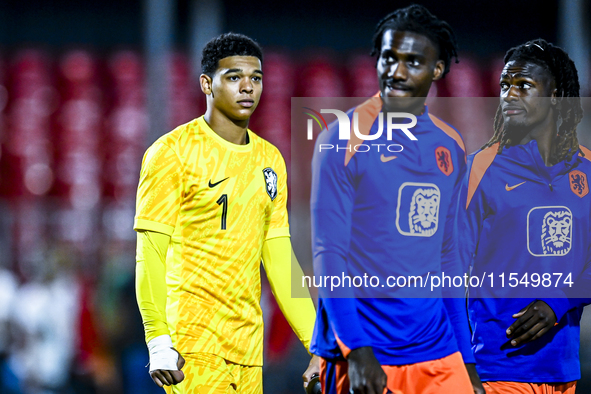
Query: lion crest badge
point(417, 214)
point(557, 233)
point(549, 231)
point(444, 162)
point(578, 183)
point(270, 182)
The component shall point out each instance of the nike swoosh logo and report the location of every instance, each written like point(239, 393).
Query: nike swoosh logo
point(386, 159)
point(217, 183)
point(509, 188)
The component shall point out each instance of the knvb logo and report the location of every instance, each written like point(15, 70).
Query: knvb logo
point(345, 124)
point(578, 183)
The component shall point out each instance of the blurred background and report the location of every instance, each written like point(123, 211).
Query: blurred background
point(85, 87)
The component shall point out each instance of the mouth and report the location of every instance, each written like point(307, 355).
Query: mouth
point(246, 103)
point(396, 89)
point(512, 110)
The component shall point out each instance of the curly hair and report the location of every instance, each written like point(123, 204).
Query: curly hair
point(417, 19)
point(225, 45)
point(570, 111)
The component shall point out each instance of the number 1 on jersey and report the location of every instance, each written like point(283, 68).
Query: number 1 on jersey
point(223, 201)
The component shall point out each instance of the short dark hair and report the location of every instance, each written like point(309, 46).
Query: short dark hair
point(557, 62)
point(225, 45)
point(417, 19)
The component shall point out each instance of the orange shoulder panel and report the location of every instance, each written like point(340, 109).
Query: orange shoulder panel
point(447, 129)
point(482, 161)
point(586, 152)
point(367, 113)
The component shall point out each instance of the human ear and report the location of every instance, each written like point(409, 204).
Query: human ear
point(438, 70)
point(553, 99)
point(206, 84)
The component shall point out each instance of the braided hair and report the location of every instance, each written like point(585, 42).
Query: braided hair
point(570, 111)
point(417, 19)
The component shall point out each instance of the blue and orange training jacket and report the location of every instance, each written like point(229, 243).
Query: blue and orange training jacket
point(527, 232)
point(386, 213)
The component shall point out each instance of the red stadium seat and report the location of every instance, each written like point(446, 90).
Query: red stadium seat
point(32, 100)
point(184, 93)
point(496, 65)
point(463, 84)
point(362, 76)
point(320, 77)
point(465, 79)
point(3, 103)
point(126, 127)
point(79, 126)
point(125, 135)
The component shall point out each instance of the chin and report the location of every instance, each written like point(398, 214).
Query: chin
point(241, 116)
point(241, 112)
point(402, 103)
point(515, 123)
point(516, 131)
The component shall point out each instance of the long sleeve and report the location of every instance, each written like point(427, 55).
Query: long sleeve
point(150, 282)
point(576, 297)
point(282, 269)
point(331, 204)
point(470, 218)
point(451, 263)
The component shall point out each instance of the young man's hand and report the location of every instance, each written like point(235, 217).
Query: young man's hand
point(474, 379)
point(532, 322)
point(165, 377)
point(366, 375)
point(313, 369)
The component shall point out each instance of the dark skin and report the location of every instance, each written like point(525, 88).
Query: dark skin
point(163, 377)
point(532, 322)
point(366, 375)
point(407, 66)
point(233, 93)
point(528, 101)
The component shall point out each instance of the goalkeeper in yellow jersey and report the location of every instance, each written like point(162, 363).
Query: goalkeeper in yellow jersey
point(211, 205)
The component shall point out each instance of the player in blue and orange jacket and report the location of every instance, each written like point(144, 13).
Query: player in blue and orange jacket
point(528, 210)
point(389, 211)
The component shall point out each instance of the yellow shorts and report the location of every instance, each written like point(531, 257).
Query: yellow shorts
point(210, 374)
point(529, 388)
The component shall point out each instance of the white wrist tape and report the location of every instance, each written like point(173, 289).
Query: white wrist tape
point(162, 356)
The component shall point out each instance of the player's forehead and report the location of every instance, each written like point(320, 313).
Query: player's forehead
point(247, 64)
point(521, 68)
point(408, 42)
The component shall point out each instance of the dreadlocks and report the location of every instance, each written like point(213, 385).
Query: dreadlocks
point(563, 69)
point(417, 19)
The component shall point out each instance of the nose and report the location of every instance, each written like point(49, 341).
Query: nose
point(511, 94)
point(246, 86)
point(398, 71)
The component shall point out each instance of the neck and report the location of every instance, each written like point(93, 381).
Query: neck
point(233, 131)
point(544, 135)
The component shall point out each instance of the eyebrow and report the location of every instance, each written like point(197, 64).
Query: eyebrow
point(517, 75)
point(416, 54)
point(239, 70)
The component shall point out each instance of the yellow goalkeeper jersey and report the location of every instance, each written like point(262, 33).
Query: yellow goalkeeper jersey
point(219, 202)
